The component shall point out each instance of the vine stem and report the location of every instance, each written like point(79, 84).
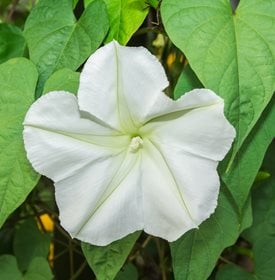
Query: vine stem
point(143, 245)
point(71, 256)
point(161, 253)
point(12, 10)
point(79, 271)
point(225, 260)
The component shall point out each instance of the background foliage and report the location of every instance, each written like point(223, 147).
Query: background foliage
point(223, 45)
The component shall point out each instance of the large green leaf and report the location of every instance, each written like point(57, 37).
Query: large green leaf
point(231, 53)
point(249, 158)
point(195, 254)
point(125, 17)
point(12, 42)
point(107, 261)
point(30, 242)
point(18, 79)
point(56, 40)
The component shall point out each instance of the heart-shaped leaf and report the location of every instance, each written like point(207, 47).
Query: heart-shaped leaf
point(56, 40)
point(232, 52)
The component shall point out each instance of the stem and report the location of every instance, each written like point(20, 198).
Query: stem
point(225, 260)
point(60, 242)
point(37, 215)
point(71, 256)
point(145, 30)
point(146, 241)
point(60, 254)
point(161, 253)
point(62, 231)
point(79, 271)
point(143, 245)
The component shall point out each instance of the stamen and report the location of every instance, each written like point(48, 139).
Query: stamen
point(135, 144)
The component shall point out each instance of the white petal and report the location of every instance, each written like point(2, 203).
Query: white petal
point(180, 190)
point(119, 85)
point(59, 142)
point(102, 202)
point(195, 124)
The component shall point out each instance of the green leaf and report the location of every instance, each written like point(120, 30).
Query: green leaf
point(75, 2)
point(63, 79)
point(231, 271)
point(245, 167)
point(8, 268)
point(186, 82)
point(231, 53)
point(125, 17)
point(261, 233)
point(263, 202)
point(264, 259)
point(153, 3)
point(12, 42)
point(30, 242)
point(39, 269)
point(56, 40)
point(18, 79)
point(195, 254)
point(107, 261)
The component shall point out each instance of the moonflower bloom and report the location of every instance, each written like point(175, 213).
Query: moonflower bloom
point(124, 156)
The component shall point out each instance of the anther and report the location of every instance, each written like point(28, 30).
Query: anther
point(136, 143)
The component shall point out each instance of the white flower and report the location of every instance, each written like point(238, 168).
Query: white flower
point(124, 156)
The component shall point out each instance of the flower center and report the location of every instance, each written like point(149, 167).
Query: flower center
point(136, 143)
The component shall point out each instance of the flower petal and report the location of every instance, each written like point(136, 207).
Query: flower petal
point(102, 202)
point(59, 142)
point(119, 85)
point(195, 124)
point(176, 199)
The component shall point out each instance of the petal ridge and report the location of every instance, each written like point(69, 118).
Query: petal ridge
point(55, 134)
point(174, 180)
point(116, 180)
